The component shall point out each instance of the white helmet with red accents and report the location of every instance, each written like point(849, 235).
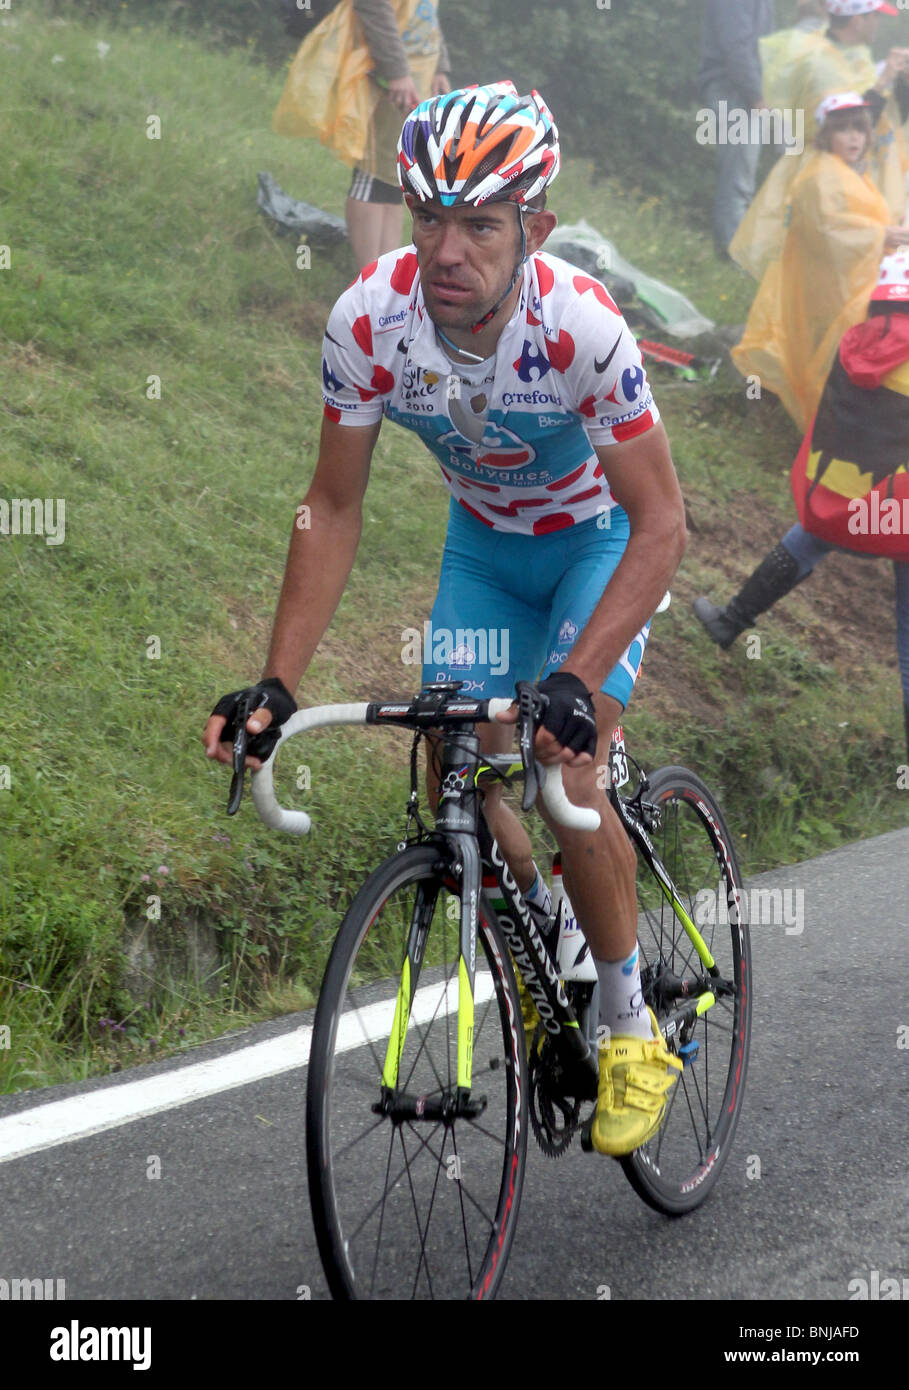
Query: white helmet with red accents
point(477, 145)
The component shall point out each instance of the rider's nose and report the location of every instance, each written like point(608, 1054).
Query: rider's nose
point(450, 245)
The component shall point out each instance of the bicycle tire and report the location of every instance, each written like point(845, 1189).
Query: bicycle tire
point(678, 1169)
point(445, 1231)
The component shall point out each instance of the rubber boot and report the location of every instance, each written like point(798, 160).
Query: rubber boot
point(775, 576)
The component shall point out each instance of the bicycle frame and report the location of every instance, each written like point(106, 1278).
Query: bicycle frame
point(464, 831)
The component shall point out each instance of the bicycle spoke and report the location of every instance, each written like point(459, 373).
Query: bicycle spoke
point(422, 1239)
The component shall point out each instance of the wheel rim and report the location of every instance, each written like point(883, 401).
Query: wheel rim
point(684, 1158)
point(420, 1207)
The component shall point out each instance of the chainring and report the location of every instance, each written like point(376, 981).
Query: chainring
point(554, 1117)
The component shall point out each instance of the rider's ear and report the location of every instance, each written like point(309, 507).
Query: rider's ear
point(538, 227)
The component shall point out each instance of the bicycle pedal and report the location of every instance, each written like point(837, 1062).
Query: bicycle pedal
point(688, 1052)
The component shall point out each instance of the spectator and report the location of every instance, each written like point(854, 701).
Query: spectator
point(838, 229)
point(352, 82)
point(856, 447)
point(731, 72)
point(836, 61)
point(410, 56)
point(840, 60)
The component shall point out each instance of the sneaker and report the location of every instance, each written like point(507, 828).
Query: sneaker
point(636, 1075)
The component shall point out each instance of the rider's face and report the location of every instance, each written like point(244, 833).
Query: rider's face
point(466, 256)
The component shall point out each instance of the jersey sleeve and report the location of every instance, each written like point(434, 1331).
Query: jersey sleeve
point(351, 388)
point(609, 385)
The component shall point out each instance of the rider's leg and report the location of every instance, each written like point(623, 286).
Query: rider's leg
point(510, 834)
point(598, 868)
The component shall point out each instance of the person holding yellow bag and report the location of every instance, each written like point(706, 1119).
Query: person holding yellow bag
point(838, 226)
point(351, 84)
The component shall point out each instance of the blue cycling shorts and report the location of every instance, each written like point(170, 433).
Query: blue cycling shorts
point(510, 607)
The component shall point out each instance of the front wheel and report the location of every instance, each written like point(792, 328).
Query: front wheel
point(679, 1167)
point(410, 1199)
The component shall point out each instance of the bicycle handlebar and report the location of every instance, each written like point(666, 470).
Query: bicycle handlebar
point(278, 817)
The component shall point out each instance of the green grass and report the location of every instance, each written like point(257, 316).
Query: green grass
point(135, 259)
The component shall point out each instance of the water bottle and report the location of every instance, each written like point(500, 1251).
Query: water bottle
point(573, 956)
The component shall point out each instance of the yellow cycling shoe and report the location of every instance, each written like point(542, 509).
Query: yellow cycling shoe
point(636, 1075)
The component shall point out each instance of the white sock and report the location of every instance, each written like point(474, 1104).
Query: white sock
point(539, 892)
point(622, 1007)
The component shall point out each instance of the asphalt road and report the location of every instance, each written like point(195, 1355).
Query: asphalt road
point(825, 1116)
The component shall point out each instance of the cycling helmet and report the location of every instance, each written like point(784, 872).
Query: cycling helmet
point(477, 145)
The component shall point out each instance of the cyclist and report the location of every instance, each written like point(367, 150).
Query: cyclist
point(566, 520)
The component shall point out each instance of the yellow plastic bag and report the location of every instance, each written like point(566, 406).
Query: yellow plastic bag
point(328, 95)
point(818, 287)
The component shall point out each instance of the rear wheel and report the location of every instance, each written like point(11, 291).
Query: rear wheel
point(678, 1168)
point(411, 1199)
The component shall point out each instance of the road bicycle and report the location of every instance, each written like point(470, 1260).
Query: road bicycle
point(421, 1086)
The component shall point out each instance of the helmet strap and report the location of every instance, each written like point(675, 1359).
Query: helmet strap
point(463, 351)
point(481, 323)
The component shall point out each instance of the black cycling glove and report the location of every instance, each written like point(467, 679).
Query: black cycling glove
point(271, 693)
point(569, 715)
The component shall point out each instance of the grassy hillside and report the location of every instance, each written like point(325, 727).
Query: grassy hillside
point(159, 370)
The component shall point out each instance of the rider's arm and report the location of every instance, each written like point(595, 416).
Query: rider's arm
point(642, 478)
point(318, 564)
point(321, 554)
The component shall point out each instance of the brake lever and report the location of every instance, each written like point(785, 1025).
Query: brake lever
point(245, 708)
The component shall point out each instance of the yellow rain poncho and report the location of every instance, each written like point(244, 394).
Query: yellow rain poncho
point(780, 52)
point(821, 69)
point(329, 95)
point(818, 287)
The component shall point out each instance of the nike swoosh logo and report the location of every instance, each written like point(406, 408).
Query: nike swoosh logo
point(601, 366)
point(331, 339)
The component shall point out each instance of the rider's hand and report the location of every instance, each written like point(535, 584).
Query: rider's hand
point(403, 92)
point(275, 706)
point(568, 731)
point(896, 236)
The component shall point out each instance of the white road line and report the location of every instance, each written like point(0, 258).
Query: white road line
point(64, 1121)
